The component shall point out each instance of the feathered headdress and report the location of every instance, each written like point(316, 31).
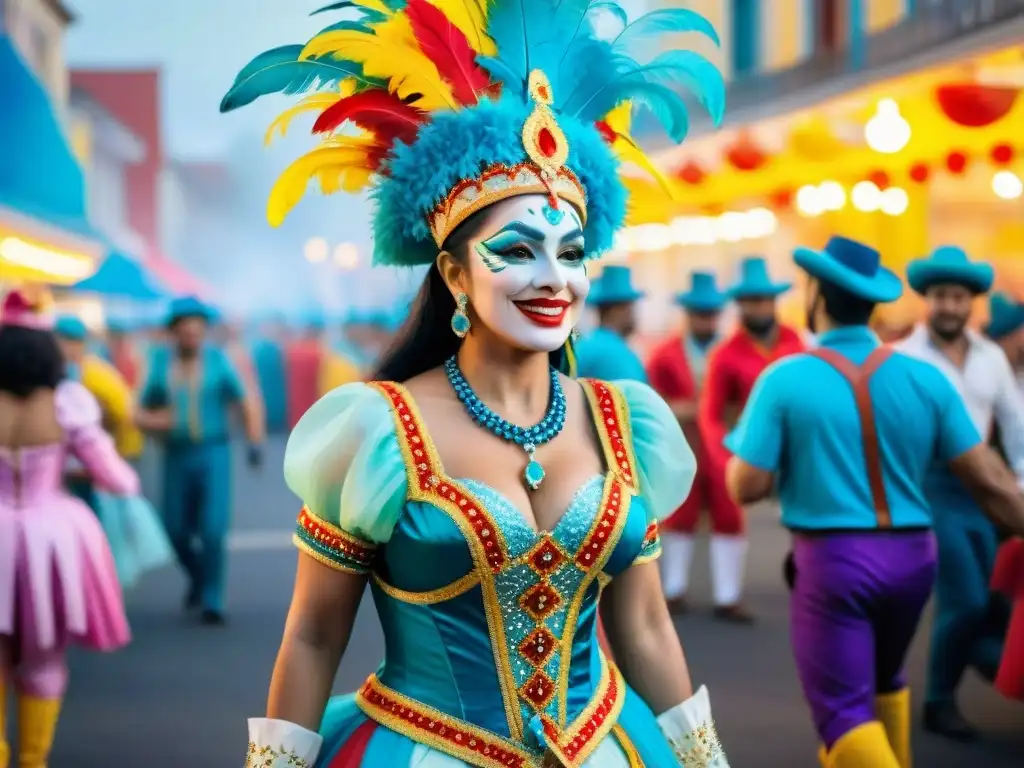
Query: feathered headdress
point(443, 107)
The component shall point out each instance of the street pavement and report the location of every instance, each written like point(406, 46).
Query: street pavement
point(180, 694)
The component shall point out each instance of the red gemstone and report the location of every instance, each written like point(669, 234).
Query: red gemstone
point(543, 92)
point(546, 142)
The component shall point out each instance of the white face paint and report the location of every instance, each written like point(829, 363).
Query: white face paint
point(527, 280)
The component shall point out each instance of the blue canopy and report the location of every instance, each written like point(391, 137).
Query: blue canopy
point(39, 175)
point(121, 276)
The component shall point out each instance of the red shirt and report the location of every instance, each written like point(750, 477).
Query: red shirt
point(669, 373)
point(734, 366)
point(302, 365)
point(1008, 578)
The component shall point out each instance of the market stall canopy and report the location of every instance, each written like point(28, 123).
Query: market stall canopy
point(121, 276)
point(43, 225)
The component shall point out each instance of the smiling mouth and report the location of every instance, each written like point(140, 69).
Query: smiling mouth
point(548, 313)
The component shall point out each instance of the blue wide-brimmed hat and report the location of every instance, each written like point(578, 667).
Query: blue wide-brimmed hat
point(71, 327)
point(190, 306)
point(703, 295)
point(852, 266)
point(949, 264)
point(614, 286)
point(755, 281)
point(1005, 314)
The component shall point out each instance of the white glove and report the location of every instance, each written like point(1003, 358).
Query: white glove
point(690, 730)
point(278, 743)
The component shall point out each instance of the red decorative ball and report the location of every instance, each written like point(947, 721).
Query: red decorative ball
point(880, 179)
point(1001, 154)
point(691, 173)
point(782, 198)
point(919, 172)
point(956, 162)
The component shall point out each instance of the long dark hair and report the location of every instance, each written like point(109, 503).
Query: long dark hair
point(30, 360)
point(426, 339)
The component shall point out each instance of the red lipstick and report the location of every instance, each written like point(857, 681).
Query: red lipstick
point(547, 313)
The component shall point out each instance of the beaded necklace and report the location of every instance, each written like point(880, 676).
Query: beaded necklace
point(528, 438)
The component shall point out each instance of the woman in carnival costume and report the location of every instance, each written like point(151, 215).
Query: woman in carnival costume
point(488, 134)
point(134, 530)
point(58, 583)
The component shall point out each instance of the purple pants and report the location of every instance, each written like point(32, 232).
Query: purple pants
point(855, 607)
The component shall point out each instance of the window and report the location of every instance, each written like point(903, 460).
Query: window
point(830, 25)
point(746, 32)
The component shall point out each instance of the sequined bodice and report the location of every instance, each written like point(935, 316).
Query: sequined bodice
point(31, 475)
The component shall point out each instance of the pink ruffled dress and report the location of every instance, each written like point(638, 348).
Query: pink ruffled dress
point(58, 582)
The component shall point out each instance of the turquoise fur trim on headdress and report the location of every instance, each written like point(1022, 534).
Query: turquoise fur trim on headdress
point(455, 146)
point(445, 107)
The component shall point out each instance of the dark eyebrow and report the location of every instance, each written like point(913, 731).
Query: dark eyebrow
point(576, 234)
point(525, 230)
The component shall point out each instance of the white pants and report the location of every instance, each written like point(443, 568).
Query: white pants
point(728, 566)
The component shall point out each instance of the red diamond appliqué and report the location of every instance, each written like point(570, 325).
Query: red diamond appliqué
point(538, 647)
point(540, 601)
point(538, 690)
point(545, 558)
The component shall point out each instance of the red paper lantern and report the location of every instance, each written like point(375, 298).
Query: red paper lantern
point(782, 198)
point(880, 179)
point(956, 162)
point(919, 172)
point(1002, 154)
point(975, 106)
point(745, 155)
point(691, 173)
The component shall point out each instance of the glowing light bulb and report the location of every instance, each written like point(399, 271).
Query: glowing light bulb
point(704, 231)
point(894, 201)
point(651, 237)
point(887, 132)
point(832, 195)
point(759, 222)
point(1007, 185)
point(346, 255)
point(866, 197)
point(316, 250)
point(729, 227)
point(808, 201)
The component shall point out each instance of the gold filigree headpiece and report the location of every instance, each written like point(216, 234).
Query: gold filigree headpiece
point(544, 173)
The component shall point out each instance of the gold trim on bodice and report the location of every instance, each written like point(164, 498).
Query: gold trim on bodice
point(427, 482)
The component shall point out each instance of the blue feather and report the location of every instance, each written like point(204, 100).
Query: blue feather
point(666, 20)
point(334, 7)
point(685, 68)
point(614, 9)
point(665, 104)
point(280, 71)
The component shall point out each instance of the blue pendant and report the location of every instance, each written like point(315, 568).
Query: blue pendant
point(533, 474)
point(460, 324)
point(553, 215)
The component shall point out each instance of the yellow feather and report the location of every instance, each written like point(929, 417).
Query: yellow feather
point(470, 16)
point(629, 152)
point(316, 102)
point(330, 164)
point(619, 118)
point(374, 5)
point(390, 53)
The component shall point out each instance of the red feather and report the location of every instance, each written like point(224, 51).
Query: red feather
point(384, 114)
point(446, 46)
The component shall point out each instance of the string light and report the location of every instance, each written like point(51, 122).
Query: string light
point(887, 131)
point(808, 201)
point(62, 265)
point(831, 195)
point(894, 201)
point(346, 255)
point(866, 196)
point(316, 250)
point(730, 227)
point(1007, 185)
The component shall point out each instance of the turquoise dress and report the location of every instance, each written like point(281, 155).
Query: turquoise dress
point(491, 653)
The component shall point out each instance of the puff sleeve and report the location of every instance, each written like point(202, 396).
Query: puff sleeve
point(344, 462)
point(665, 462)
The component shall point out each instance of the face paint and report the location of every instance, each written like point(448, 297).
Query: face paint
point(529, 283)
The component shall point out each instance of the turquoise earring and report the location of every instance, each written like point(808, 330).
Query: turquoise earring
point(460, 319)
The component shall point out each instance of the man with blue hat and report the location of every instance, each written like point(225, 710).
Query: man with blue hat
point(980, 372)
point(676, 370)
point(1006, 328)
point(850, 470)
point(187, 399)
point(605, 352)
point(732, 369)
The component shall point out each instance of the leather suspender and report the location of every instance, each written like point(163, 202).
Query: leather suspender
point(858, 377)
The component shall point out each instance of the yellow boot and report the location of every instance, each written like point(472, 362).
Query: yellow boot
point(37, 723)
point(893, 710)
point(864, 747)
point(5, 748)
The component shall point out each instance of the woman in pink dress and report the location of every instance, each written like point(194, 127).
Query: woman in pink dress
point(58, 583)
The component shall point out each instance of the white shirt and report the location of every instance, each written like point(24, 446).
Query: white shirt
point(986, 383)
